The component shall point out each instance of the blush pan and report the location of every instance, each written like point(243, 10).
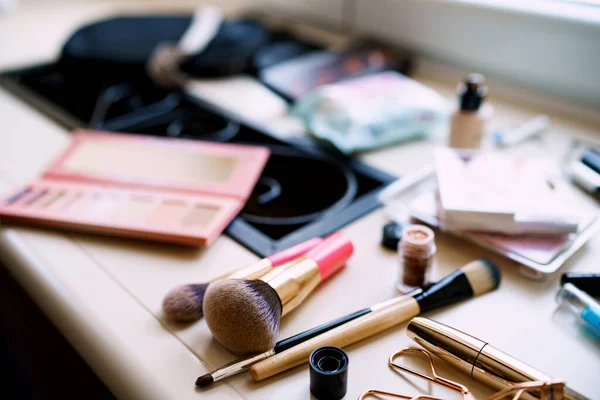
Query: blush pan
point(167, 190)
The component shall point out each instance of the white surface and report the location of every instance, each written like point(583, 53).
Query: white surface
point(548, 45)
point(225, 93)
point(6, 5)
point(104, 294)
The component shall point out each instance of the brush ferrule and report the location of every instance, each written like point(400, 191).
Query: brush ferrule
point(296, 283)
point(239, 366)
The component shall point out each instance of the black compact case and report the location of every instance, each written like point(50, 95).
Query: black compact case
point(304, 191)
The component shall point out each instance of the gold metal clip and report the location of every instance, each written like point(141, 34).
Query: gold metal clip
point(544, 390)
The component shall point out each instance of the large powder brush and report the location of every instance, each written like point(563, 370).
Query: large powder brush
point(184, 303)
point(244, 315)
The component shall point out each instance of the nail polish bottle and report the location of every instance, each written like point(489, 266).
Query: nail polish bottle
point(468, 122)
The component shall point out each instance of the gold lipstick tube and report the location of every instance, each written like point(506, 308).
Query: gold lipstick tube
point(297, 281)
point(476, 357)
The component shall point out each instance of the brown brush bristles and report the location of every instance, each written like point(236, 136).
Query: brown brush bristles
point(243, 315)
point(184, 303)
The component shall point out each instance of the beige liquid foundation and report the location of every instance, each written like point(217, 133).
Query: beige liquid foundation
point(467, 124)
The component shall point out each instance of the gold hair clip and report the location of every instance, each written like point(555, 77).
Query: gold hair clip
point(435, 378)
point(544, 390)
point(375, 392)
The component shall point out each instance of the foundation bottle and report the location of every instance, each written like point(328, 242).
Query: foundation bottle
point(468, 122)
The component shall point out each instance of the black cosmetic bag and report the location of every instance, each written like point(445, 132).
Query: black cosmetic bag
point(125, 44)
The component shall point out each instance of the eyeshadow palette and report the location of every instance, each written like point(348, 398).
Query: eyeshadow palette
point(176, 191)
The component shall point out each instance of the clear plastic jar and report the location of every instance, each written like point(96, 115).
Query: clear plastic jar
point(416, 250)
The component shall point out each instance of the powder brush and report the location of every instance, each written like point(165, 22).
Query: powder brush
point(476, 278)
point(244, 315)
point(184, 303)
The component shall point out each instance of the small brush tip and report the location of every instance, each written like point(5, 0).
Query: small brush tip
point(204, 380)
point(184, 303)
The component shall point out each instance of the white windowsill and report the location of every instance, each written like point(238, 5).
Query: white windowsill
point(550, 46)
point(555, 9)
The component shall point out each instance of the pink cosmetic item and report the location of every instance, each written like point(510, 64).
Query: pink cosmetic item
point(501, 193)
point(177, 191)
point(539, 256)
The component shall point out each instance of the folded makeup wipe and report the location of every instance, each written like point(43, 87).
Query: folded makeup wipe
point(371, 111)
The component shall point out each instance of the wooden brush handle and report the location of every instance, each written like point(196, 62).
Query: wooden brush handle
point(351, 332)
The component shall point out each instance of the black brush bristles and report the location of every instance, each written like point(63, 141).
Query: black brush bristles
point(184, 303)
point(243, 315)
point(204, 380)
point(475, 278)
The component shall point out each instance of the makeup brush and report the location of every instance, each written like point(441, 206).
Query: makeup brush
point(239, 366)
point(244, 315)
point(476, 278)
point(184, 303)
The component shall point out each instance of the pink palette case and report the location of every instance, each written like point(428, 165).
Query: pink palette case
point(177, 191)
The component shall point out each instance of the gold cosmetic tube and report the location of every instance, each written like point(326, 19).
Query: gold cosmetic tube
point(476, 357)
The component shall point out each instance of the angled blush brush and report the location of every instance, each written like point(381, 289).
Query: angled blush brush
point(184, 303)
point(244, 315)
point(475, 278)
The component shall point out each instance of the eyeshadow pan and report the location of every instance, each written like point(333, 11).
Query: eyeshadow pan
point(80, 207)
point(18, 196)
point(51, 199)
point(200, 215)
point(169, 212)
point(135, 208)
point(104, 206)
point(72, 199)
point(35, 197)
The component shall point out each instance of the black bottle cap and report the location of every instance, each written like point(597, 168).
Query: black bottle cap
point(328, 373)
point(472, 92)
point(591, 158)
point(589, 283)
point(392, 233)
